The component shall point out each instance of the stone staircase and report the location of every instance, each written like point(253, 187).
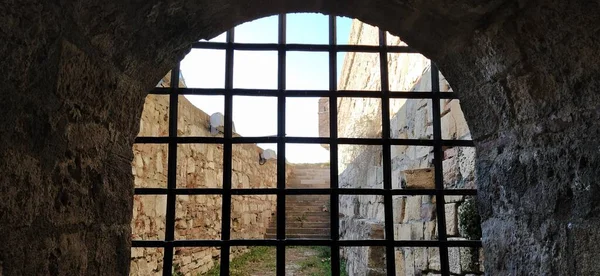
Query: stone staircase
point(306, 216)
point(309, 176)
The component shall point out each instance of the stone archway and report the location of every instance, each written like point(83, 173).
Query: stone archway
point(75, 77)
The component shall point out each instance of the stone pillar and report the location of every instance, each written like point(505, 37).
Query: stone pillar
point(533, 107)
point(65, 156)
point(540, 196)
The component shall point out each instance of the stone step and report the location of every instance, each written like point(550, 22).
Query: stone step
point(311, 206)
point(300, 213)
point(306, 208)
point(316, 207)
point(309, 176)
point(297, 219)
point(309, 198)
point(301, 231)
point(306, 224)
point(300, 236)
point(322, 217)
point(306, 203)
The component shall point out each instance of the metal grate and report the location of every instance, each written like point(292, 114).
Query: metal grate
point(334, 242)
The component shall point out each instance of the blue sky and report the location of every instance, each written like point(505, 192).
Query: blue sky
point(257, 116)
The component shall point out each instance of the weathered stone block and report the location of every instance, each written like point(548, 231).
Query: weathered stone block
point(161, 206)
point(413, 209)
point(450, 172)
point(396, 178)
point(454, 260)
point(376, 232)
point(453, 199)
point(434, 258)
point(409, 262)
point(430, 230)
point(427, 211)
point(461, 127)
point(399, 208)
point(448, 126)
point(416, 230)
point(402, 232)
point(466, 162)
point(148, 204)
point(376, 257)
point(421, 258)
point(451, 219)
point(399, 258)
point(418, 179)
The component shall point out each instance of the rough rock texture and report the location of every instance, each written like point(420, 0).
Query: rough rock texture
point(65, 152)
point(75, 75)
point(534, 115)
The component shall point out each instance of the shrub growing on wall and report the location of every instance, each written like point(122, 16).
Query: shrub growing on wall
point(469, 222)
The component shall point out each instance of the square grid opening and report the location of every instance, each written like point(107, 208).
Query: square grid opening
point(390, 243)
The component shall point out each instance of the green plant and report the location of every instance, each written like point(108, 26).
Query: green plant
point(320, 263)
point(469, 221)
point(258, 258)
point(176, 270)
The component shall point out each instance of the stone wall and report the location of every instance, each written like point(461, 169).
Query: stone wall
point(75, 76)
point(199, 166)
point(412, 166)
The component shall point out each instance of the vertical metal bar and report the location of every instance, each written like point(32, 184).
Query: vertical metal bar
point(171, 173)
point(439, 180)
point(227, 154)
point(387, 155)
point(334, 189)
point(281, 63)
point(333, 150)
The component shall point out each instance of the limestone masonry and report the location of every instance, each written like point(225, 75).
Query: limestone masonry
point(362, 216)
point(197, 216)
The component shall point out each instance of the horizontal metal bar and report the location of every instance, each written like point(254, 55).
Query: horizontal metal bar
point(306, 93)
point(160, 91)
point(307, 242)
point(326, 191)
point(301, 47)
point(457, 143)
point(459, 192)
point(301, 140)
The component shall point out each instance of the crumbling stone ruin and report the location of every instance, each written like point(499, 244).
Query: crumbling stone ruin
point(412, 166)
point(199, 166)
point(75, 76)
point(198, 217)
